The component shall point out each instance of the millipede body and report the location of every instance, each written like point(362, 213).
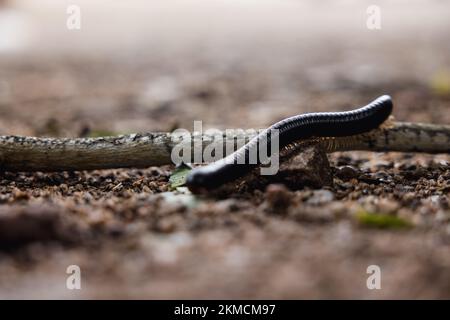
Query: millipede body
point(321, 124)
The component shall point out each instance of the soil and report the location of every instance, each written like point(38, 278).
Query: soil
point(133, 237)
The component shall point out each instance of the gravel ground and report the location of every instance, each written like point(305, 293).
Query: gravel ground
point(134, 238)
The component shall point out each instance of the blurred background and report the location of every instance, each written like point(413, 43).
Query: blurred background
point(139, 66)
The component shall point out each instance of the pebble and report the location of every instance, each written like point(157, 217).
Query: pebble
point(320, 197)
point(278, 198)
point(347, 172)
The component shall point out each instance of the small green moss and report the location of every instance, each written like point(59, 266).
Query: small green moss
point(102, 133)
point(381, 220)
point(440, 83)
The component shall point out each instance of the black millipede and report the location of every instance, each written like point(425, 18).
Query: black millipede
point(303, 126)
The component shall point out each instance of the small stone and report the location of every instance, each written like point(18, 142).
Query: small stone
point(347, 172)
point(320, 197)
point(19, 194)
point(308, 168)
point(278, 198)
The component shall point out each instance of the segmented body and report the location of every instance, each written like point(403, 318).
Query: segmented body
point(321, 124)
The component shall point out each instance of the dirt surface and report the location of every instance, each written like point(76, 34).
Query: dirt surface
point(134, 238)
